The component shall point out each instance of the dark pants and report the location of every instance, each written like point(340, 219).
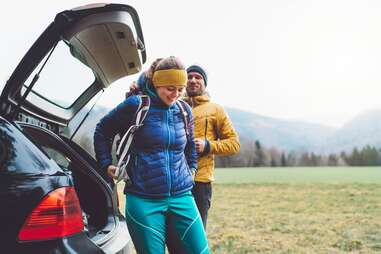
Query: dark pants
point(202, 193)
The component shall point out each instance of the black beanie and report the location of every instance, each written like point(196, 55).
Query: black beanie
point(200, 70)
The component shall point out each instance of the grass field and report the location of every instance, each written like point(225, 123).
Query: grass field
point(329, 175)
point(296, 210)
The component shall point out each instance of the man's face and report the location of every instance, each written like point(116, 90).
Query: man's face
point(195, 85)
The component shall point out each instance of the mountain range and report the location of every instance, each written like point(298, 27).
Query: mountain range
point(364, 129)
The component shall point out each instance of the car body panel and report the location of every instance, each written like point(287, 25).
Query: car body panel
point(19, 157)
point(27, 175)
point(74, 244)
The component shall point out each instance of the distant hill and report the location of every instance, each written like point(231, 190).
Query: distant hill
point(283, 134)
point(84, 136)
point(365, 129)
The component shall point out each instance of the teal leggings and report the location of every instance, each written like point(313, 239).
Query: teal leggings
point(147, 220)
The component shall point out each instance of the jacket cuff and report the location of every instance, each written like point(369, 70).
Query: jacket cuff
point(105, 165)
point(206, 148)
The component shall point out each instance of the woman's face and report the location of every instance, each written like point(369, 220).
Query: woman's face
point(169, 94)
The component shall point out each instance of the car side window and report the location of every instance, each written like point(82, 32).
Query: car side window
point(57, 156)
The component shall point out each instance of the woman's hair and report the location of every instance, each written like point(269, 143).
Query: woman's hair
point(171, 62)
point(168, 63)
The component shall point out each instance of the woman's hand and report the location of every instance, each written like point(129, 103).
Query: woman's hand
point(111, 170)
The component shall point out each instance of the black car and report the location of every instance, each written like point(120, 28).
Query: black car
point(54, 197)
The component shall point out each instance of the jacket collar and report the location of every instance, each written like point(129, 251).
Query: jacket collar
point(157, 102)
point(197, 100)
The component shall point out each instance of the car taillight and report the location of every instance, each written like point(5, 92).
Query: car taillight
point(57, 215)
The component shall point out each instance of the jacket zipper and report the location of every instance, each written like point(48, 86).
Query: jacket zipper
point(206, 127)
point(167, 155)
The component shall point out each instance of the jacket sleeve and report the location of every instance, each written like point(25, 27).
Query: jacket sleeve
point(228, 141)
point(190, 148)
point(116, 121)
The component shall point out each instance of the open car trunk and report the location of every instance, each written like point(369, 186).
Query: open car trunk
point(82, 52)
point(95, 189)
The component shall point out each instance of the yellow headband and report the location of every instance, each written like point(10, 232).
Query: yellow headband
point(172, 77)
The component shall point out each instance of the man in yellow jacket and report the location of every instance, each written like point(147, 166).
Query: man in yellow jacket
point(214, 135)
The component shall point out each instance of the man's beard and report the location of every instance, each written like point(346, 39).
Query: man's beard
point(195, 93)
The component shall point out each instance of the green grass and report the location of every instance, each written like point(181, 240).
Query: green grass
point(296, 210)
point(295, 218)
point(299, 175)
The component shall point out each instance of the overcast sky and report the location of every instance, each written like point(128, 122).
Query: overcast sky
point(317, 61)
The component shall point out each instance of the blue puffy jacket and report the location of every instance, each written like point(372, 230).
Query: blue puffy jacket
point(162, 156)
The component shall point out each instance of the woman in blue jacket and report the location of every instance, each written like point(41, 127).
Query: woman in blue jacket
point(162, 165)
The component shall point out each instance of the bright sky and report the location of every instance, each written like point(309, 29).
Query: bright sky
point(317, 61)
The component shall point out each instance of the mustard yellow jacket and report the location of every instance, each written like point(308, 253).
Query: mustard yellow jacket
point(212, 123)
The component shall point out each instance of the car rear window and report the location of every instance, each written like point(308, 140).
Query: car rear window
point(63, 78)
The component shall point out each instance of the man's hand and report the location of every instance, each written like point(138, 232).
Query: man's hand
point(193, 171)
point(133, 86)
point(111, 171)
point(134, 89)
point(200, 145)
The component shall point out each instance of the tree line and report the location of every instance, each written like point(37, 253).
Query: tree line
point(253, 154)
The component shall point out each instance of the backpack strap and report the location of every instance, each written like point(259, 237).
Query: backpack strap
point(182, 104)
point(123, 150)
